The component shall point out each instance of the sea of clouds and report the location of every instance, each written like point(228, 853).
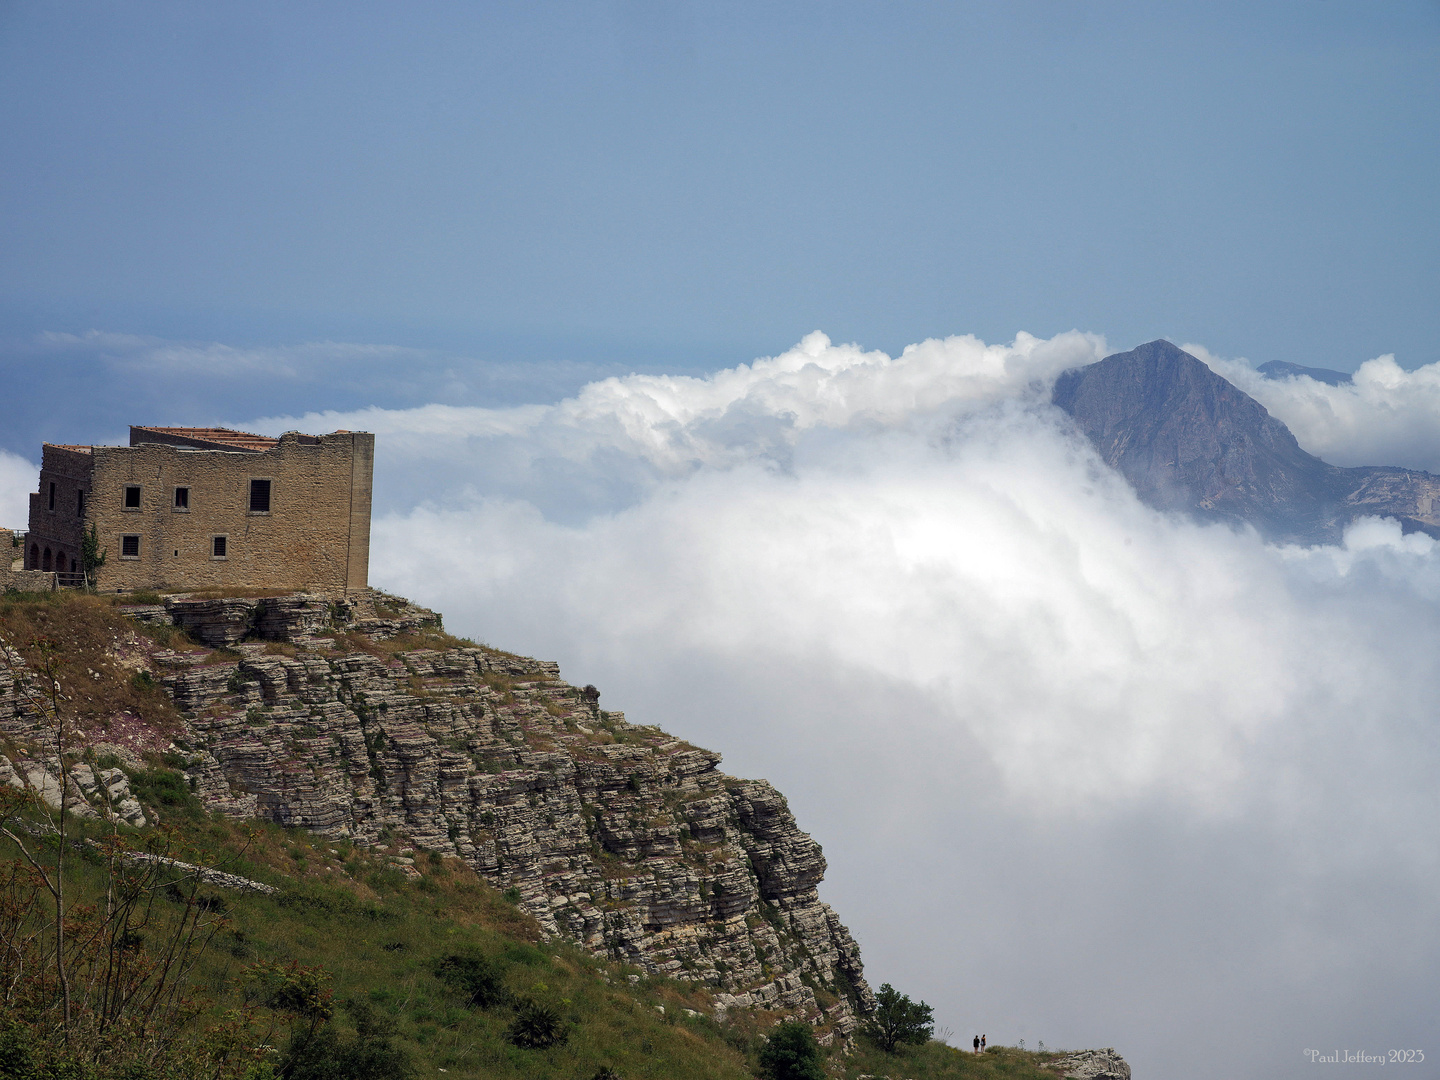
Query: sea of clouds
point(1084, 772)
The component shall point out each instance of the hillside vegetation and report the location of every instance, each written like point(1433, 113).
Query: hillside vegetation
point(385, 960)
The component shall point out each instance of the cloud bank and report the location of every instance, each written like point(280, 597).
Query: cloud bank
point(1085, 772)
point(1385, 416)
point(18, 478)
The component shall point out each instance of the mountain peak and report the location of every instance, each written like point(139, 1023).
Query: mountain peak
point(1189, 439)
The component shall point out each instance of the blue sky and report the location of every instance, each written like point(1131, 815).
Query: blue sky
point(668, 186)
point(1083, 771)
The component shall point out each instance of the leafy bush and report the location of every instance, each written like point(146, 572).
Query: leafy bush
point(477, 978)
point(325, 1055)
point(792, 1053)
point(164, 788)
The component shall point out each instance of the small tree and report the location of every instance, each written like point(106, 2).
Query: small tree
point(898, 1020)
point(792, 1053)
point(92, 557)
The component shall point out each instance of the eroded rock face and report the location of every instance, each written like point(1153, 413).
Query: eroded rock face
point(224, 622)
point(616, 836)
point(1091, 1065)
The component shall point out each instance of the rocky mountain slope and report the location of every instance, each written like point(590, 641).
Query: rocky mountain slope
point(367, 723)
point(1190, 440)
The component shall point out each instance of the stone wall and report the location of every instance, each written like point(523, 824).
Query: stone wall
point(26, 581)
point(55, 521)
point(315, 536)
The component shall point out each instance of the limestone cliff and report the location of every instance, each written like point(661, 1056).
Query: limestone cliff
point(366, 722)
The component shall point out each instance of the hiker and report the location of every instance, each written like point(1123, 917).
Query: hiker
point(977, 1044)
point(982, 1044)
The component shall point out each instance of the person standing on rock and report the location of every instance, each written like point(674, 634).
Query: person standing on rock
point(977, 1044)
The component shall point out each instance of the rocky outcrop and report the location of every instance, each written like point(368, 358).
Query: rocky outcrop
point(223, 622)
point(617, 836)
point(90, 792)
point(1091, 1065)
point(217, 623)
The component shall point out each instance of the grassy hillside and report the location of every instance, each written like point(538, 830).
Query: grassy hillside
point(391, 950)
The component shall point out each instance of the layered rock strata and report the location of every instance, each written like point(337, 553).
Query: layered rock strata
point(614, 835)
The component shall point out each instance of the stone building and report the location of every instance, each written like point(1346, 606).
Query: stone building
point(198, 508)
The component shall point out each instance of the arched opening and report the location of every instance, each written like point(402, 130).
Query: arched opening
point(34, 556)
point(45, 562)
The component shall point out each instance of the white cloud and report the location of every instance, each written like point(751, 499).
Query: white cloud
point(1084, 771)
point(18, 478)
point(1384, 416)
point(619, 436)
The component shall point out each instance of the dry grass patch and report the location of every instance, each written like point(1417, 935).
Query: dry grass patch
point(76, 637)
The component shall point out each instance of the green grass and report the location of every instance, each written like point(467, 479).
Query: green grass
point(380, 936)
point(936, 1061)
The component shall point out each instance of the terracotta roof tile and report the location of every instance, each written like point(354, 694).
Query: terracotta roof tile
point(213, 437)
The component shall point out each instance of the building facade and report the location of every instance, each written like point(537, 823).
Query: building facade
point(201, 508)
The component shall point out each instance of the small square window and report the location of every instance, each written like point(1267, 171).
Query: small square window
point(217, 547)
point(259, 496)
point(182, 498)
point(129, 547)
point(132, 498)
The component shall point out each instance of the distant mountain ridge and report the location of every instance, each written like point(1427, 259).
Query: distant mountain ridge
point(1188, 439)
point(1283, 369)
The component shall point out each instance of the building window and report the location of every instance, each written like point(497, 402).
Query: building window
point(218, 545)
point(34, 556)
point(129, 547)
point(182, 498)
point(52, 494)
point(132, 497)
point(259, 496)
point(80, 504)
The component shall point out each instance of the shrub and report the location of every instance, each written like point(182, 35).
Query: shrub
point(792, 1053)
point(163, 788)
point(537, 1026)
point(324, 1055)
point(478, 978)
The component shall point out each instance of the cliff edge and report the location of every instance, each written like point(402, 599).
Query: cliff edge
point(366, 722)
